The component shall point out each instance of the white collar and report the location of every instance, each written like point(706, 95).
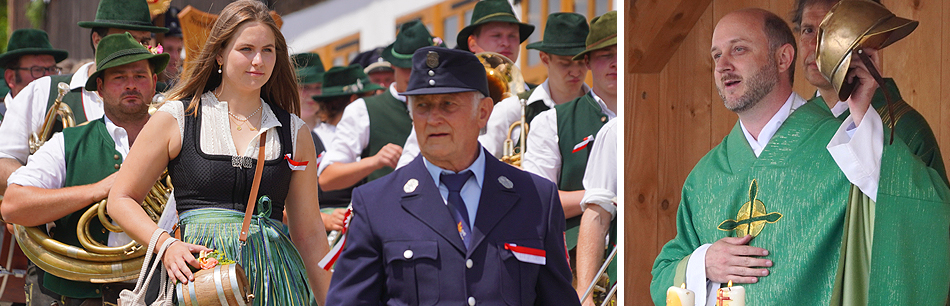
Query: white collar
point(791, 104)
point(81, 76)
point(543, 93)
point(119, 135)
point(603, 106)
point(839, 107)
point(392, 91)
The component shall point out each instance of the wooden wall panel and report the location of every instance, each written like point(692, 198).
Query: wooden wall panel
point(640, 165)
point(675, 116)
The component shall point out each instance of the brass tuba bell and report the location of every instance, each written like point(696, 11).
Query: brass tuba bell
point(504, 77)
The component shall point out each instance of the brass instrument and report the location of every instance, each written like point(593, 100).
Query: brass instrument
point(504, 77)
point(504, 81)
point(58, 109)
point(94, 262)
point(510, 155)
point(601, 283)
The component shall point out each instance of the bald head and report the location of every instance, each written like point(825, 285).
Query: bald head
point(753, 63)
point(771, 27)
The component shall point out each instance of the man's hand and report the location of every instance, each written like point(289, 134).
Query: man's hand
point(334, 221)
point(733, 259)
point(388, 156)
point(860, 99)
point(101, 188)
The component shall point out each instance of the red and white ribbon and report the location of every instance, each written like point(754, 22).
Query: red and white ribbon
point(295, 165)
point(327, 262)
point(526, 254)
point(583, 143)
point(320, 158)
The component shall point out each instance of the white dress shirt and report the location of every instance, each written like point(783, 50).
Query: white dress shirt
point(27, 111)
point(508, 111)
point(326, 133)
point(472, 189)
point(860, 165)
point(543, 156)
point(352, 133)
point(600, 176)
point(47, 168)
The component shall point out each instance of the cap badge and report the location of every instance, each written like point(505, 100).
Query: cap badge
point(432, 59)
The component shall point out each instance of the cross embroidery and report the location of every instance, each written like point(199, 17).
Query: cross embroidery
point(752, 216)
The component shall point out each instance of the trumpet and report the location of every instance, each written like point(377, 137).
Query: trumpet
point(512, 155)
point(57, 109)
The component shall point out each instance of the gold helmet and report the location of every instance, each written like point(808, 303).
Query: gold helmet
point(851, 25)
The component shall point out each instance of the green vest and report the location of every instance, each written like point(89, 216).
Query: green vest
point(798, 200)
point(389, 122)
point(911, 126)
point(73, 99)
point(576, 120)
point(90, 157)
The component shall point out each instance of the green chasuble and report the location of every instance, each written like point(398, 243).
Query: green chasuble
point(576, 120)
point(794, 200)
point(90, 157)
point(389, 122)
point(910, 126)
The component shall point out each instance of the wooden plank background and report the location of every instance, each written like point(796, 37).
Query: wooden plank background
point(674, 116)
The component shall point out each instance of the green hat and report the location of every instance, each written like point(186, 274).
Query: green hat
point(564, 34)
point(120, 49)
point(603, 33)
point(123, 14)
point(412, 36)
point(29, 42)
point(309, 67)
point(490, 11)
point(345, 81)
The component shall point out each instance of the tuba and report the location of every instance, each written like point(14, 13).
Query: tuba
point(59, 109)
point(93, 262)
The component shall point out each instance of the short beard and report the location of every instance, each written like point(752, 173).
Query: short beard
point(759, 85)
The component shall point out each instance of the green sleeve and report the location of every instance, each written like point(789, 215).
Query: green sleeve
point(910, 263)
point(670, 264)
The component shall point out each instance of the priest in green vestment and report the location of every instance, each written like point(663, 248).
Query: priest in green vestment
point(772, 207)
point(906, 121)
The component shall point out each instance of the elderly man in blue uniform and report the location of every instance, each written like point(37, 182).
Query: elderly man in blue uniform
point(455, 226)
point(76, 167)
point(371, 134)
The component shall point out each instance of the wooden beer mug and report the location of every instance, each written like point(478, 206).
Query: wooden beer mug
point(221, 285)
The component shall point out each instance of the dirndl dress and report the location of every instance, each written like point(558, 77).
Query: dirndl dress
point(211, 192)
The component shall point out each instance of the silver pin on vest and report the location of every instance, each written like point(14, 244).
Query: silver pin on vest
point(505, 182)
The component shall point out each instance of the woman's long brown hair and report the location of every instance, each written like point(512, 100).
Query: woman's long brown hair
point(202, 73)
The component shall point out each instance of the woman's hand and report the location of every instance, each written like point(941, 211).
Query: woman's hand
point(178, 257)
